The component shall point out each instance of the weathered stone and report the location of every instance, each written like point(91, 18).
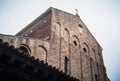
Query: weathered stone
point(62, 40)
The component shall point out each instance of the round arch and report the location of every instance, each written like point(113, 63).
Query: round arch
point(66, 35)
point(43, 48)
point(66, 30)
point(58, 23)
point(25, 49)
point(76, 41)
point(42, 55)
point(85, 48)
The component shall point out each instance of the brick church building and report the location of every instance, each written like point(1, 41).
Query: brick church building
point(63, 41)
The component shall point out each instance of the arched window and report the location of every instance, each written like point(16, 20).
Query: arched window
point(85, 48)
point(57, 28)
point(66, 64)
point(93, 54)
point(80, 28)
point(25, 49)
point(42, 55)
point(66, 34)
point(75, 41)
point(98, 57)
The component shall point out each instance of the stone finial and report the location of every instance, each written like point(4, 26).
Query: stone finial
point(76, 12)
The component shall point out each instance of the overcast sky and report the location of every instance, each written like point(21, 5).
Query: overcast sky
point(102, 18)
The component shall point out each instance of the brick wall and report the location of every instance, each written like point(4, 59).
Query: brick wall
point(65, 42)
point(37, 48)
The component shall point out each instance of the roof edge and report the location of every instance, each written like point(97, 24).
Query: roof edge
point(35, 21)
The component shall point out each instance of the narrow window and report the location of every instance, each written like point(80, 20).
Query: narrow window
point(66, 64)
point(80, 28)
point(75, 43)
point(96, 77)
point(84, 49)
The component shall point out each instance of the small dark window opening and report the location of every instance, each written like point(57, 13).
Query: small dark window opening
point(80, 26)
point(84, 49)
point(96, 77)
point(24, 50)
point(66, 64)
point(75, 43)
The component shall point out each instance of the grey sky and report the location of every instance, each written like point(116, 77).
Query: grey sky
point(102, 17)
